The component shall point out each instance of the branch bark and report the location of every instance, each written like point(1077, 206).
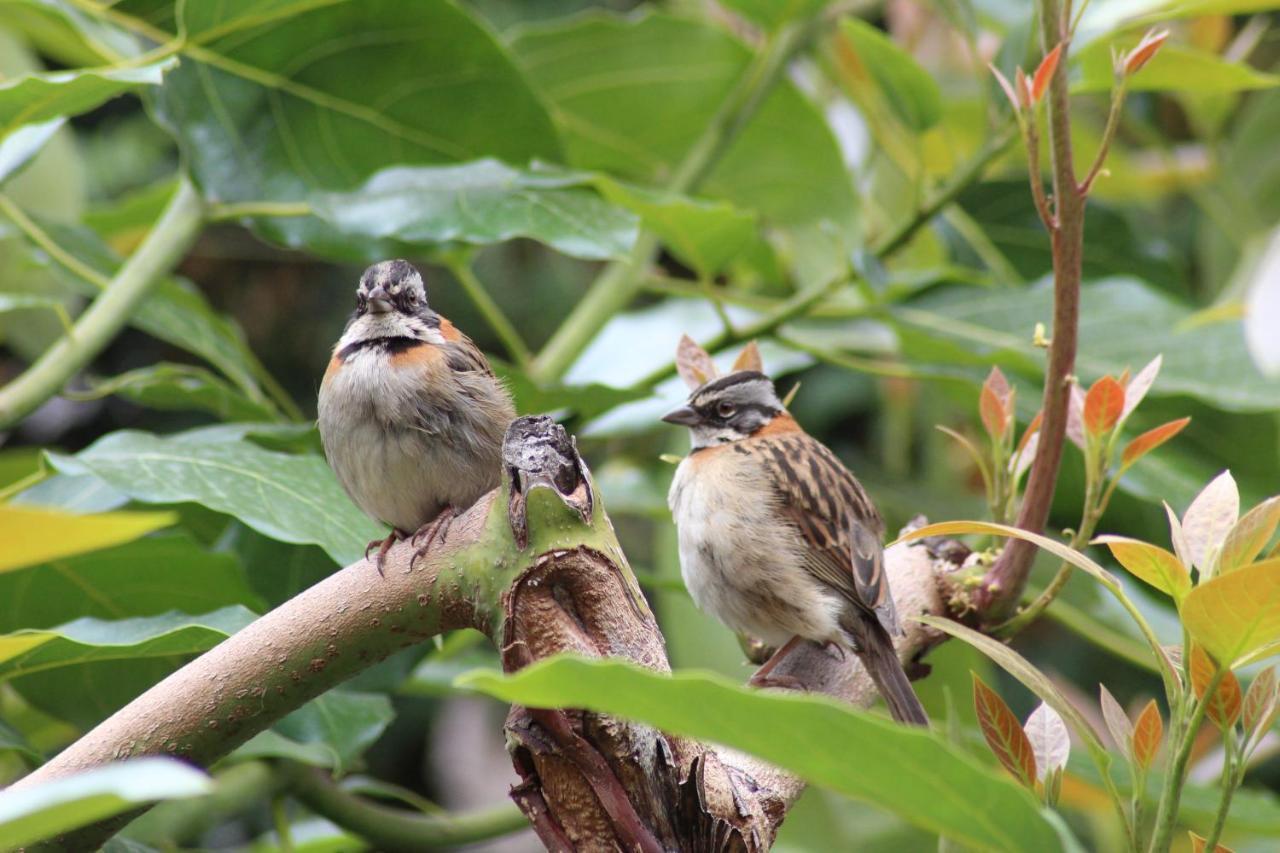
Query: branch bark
point(534, 565)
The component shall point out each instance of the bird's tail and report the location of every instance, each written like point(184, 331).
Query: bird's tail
point(875, 649)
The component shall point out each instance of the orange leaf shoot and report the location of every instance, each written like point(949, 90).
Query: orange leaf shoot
point(1004, 733)
point(1150, 440)
point(1145, 49)
point(1147, 733)
point(1224, 706)
point(1103, 405)
point(1044, 73)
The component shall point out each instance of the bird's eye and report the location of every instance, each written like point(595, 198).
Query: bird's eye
point(726, 409)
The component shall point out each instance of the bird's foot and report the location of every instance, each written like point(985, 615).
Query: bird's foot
point(437, 528)
point(384, 545)
point(764, 676)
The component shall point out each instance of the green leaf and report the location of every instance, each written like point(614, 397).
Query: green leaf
point(60, 805)
point(771, 14)
point(288, 497)
point(908, 89)
point(333, 730)
point(143, 578)
point(481, 202)
point(1153, 564)
point(912, 772)
point(18, 148)
point(12, 740)
point(89, 640)
point(279, 104)
point(586, 401)
point(181, 387)
point(1237, 613)
point(34, 535)
point(36, 98)
point(632, 95)
point(1175, 67)
point(67, 34)
point(1123, 323)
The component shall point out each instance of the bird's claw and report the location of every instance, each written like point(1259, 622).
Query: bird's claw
point(438, 527)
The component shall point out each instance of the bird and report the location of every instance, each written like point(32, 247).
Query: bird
point(777, 538)
point(411, 415)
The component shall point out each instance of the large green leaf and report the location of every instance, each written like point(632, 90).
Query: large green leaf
point(482, 202)
point(631, 96)
point(182, 387)
point(774, 13)
point(907, 88)
point(281, 102)
point(1174, 68)
point(40, 97)
point(1123, 323)
point(294, 498)
point(60, 805)
point(909, 771)
point(89, 640)
point(72, 36)
point(1236, 614)
point(142, 578)
point(330, 731)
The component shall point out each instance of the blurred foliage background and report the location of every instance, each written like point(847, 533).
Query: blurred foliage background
point(573, 180)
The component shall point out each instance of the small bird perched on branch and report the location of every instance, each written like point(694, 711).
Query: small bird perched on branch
point(411, 416)
point(777, 538)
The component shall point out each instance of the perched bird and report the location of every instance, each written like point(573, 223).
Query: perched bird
point(411, 416)
point(777, 538)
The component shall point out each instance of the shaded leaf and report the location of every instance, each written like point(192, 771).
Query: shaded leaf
point(586, 401)
point(1207, 521)
point(88, 640)
point(1147, 734)
point(37, 98)
point(1175, 68)
point(693, 363)
point(773, 13)
point(255, 122)
point(1223, 707)
point(1050, 741)
point(61, 805)
point(288, 497)
point(1150, 440)
point(1198, 844)
point(332, 730)
point(1260, 705)
point(907, 88)
point(12, 740)
point(1075, 416)
point(484, 201)
point(35, 535)
point(1135, 390)
point(1000, 728)
point(1103, 406)
point(182, 387)
point(1249, 535)
point(910, 771)
point(1118, 722)
point(1152, 563)
point(1235, 614)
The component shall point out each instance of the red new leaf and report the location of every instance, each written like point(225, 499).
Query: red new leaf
point(1260, 704)
point(995, 404)
point(1147, 733)
point(1198, 844)
point(1150, 440)
point(1040, 80)
point(1103, 405)
point(1004, 733)
point(1145, 49)
point(1224, 706)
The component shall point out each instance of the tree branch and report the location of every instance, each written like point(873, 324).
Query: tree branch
point(535, 565)
point(167, 242)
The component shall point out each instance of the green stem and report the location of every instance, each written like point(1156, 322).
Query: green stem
point(620, 281)
point(280, 820)
point(396, 829)
point(460, 265)
point(1171, 794)
point(1232, 774)
point(232, 211)
point(164, 246)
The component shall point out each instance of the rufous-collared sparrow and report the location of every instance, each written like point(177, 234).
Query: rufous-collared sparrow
point(411, 416)
point(777, 538)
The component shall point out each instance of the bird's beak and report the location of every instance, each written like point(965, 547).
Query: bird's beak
point(685, 416)
point(379, 301)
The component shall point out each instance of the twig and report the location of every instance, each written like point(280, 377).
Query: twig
point(1167, 812)
point(1108, 133)
point(166, 243)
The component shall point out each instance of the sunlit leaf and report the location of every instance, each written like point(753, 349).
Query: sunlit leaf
point(1103, 406)
point(1118, 722)
point(910, 771)
point(22, 145)
point(1176, 537)
point(1050, 741)
point(35, 98)
point(1147, 734)
point(60, 805)
point(1207, 521)
point(33, 535)
point(1175, 68)
point(1008, 742)
point(1249, 535)
point(1152, 563)
point(1149, 441)
point(1237, 613)
point(1135, 390)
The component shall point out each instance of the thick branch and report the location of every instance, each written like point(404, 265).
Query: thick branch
point(1005, 582)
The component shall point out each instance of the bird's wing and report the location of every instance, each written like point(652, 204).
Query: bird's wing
point(836, 519)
